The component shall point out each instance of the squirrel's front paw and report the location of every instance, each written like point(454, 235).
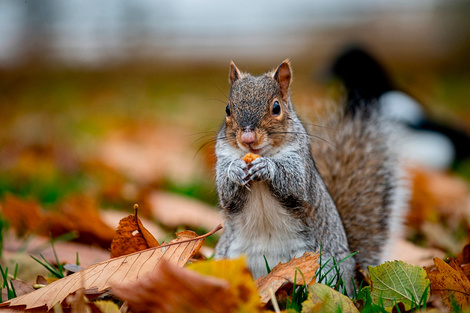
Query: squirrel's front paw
point(236, 171)
point(260, 169)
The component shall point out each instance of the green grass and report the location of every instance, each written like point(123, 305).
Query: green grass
point(7, 283)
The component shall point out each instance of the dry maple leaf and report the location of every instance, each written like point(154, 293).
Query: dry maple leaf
point(173, 289)
point(117, 271)
point(450, 282)
point(306, 266)
point(131, 236)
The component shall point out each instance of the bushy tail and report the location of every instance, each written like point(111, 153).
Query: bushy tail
point(362, 172)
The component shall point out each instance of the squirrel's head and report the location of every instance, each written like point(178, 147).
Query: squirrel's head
point(259, 109)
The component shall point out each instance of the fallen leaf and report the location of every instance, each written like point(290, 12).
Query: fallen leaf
point(449, 282)
point(174, 210)
point(21, 288)
point(80, 214)
point(413, 254)
point(120, 150)
point(121, 270)
point(323, 299)
point(437, 195)
point(40, 280)
point(78, 302)
point(394, 282)
point(106, 306)
point(295, 269)
point(112, 218)
point(423, 202)
point(173, 289)
point(25, 216)
point(442, 237)
point(131, 236)
point(239, 277)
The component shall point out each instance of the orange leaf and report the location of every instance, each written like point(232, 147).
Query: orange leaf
point(117, 271)
point(307, 264)
point(24, 216)
point(450, 282)
point(173, 289)
point(131, 236)
point(79, 214)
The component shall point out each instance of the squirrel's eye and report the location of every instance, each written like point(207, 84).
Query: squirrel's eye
point(276, 108)
point(227, 110)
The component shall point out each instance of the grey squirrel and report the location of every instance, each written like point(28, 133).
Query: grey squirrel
point(344, 193)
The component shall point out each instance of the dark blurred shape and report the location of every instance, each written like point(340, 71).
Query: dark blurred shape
point(363, 76)
point(427, 141)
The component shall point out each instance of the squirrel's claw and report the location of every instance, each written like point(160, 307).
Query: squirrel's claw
point(236, 172)
point(260, 169)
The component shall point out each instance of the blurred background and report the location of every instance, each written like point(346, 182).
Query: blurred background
point(110, 103)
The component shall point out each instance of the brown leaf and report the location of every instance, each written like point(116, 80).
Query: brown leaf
point(21, 288)
point(22, 310)
point(174, 210)
point(131, 236)
point(40, 280)
point(24, 216)
point(449, 281)
point(307, 264)
point(77, 301)
point(173, 289)
point(117, 271)
point(79, 214)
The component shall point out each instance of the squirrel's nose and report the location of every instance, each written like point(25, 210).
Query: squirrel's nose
point(248, 137)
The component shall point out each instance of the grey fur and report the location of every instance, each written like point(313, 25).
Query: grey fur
point(288, 209)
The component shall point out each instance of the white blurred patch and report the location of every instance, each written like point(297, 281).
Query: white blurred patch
point(400, 107)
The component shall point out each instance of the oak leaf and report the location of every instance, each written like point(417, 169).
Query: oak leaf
point(174, 289)
point(296, 269)
point(449, 282)
point(131, 236)
point(120, 270)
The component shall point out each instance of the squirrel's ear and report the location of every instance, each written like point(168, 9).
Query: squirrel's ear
point(234, 73)
point(283, 76)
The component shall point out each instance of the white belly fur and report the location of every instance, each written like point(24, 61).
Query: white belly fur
point(265, 229)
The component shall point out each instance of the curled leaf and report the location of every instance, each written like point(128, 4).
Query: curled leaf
point(131, 236)
point(305, 267)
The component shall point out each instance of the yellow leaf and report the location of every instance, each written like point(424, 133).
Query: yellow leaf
point(107, 306)
point(323, 299)
point(239, 277)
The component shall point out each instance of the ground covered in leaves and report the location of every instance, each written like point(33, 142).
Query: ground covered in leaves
point(80, 148)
